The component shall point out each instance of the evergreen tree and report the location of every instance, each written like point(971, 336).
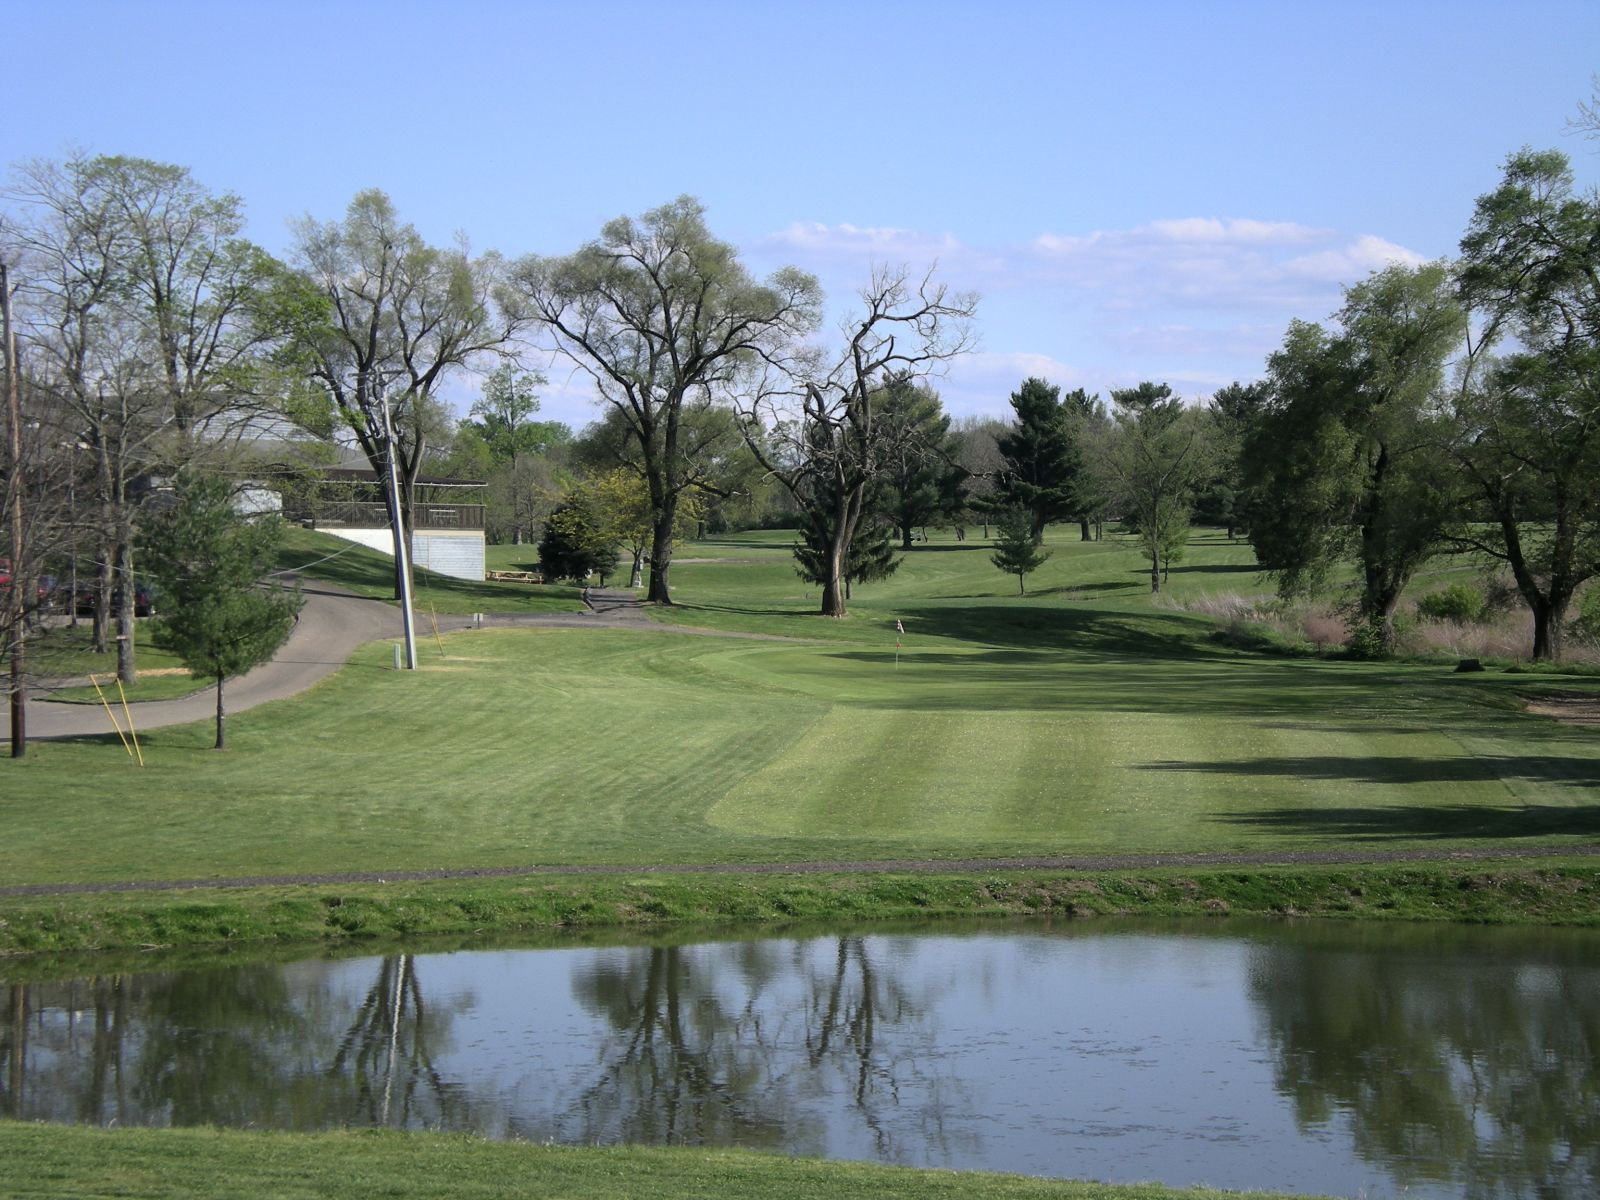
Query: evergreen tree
point(922, 482)
point(207, 560)
point(1015, 552)
point(578, 541)
point(1042, 457)
point(869, 558)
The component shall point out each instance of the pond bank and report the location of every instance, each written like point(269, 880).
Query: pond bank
point(1554, 891)
point(66, 1161)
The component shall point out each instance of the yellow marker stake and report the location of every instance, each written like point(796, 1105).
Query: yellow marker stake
point(128, 713)
point(120, 735)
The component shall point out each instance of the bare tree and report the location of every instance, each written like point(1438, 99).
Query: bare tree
point(662, 317)
point(381, 318)
point(819, 433)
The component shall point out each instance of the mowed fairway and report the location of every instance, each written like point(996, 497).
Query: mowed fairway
point(1078, 721)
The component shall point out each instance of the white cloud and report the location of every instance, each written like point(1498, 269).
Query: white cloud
point(1351, 262)
point(1211, 264)
point(1238, 230)
point(812, 239)
point(1196, 301)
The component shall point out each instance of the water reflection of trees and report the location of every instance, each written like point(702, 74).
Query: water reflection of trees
point(1470, 1064)
point(822, 1045)
point(237, 1045)
point(758, 1044)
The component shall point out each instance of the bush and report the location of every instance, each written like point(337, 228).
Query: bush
point(1586, 624)
point(1460, 602)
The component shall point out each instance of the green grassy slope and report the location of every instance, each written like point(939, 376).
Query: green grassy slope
point(1041, 725)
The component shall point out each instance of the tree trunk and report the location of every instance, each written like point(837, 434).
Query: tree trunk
point(636, 577)
point(101, 610)
point(221, 717)
point(660, 589)
point(834, 599)
point(1549, 616)
point(125, 601)
point(833, 604)
point(399, 535)
point(1085, 533)
point(905, 537)
point(1155, 573)
point(1022, 589)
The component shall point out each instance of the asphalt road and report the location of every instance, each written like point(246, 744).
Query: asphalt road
point(332, 625)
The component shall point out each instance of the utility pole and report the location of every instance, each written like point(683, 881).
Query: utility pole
point(402, 552)
point(19, 625)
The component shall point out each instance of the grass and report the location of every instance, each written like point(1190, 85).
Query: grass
point(47, 1161)
point(1042, 725)
point(66, 652)
point(369, 573)
point(37, 931)
point(1078, 719)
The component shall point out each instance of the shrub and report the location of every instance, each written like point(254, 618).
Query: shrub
point(1460, 602)
point(1586, 624)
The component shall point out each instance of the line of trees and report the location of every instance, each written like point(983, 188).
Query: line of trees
point(1446, 407)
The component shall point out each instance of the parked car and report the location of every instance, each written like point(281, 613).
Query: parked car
point(144, 601)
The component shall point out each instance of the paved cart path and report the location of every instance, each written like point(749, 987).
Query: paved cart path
point(332, 625)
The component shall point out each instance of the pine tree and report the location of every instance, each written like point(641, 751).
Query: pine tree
point(922, 482)
point(1042, 457)
point(871, 555)
point(207, 560)
point(1015, 552)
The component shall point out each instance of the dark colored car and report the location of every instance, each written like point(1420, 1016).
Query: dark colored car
point(144, 602)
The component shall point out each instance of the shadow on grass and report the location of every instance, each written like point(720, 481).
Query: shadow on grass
point(1403, 769)
point(1091, 633)
point(1215, 569)
point(370, 574)
point(1428, 821)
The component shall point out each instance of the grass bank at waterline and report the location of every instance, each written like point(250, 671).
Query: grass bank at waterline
point(1555, 893)
point(48, 1161)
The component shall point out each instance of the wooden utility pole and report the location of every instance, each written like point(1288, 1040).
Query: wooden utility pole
point(19, 696)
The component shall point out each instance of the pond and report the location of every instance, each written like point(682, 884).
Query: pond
point(1342, 1058)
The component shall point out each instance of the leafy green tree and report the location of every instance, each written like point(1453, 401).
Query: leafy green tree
point(381, 320)
point(922, 483)
point(579, 540)
point(207, 560)
point(1528, 426)
point(662, 316)
point(1155, 459)
point(1347, 461)
point(1042, 456)
point(1224, 499)
point(1015, 551)
point(521, 460)
point(144, 318)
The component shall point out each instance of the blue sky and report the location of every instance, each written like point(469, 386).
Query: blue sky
point(1139, 190)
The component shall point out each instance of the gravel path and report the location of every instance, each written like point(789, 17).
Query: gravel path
point(946, 866)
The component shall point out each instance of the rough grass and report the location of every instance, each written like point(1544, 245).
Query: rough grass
point(36, 931)
point(52, 1161)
